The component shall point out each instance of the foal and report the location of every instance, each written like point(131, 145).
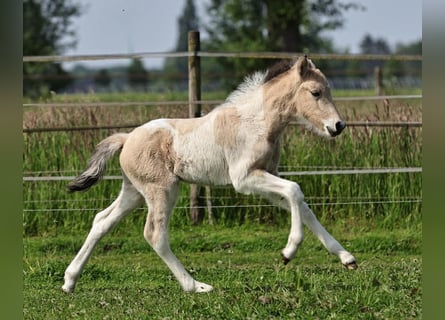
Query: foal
point(237, 143)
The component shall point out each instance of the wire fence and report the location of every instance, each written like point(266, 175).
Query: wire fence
point(240, 206)
point(314, 201)
point(187, 54)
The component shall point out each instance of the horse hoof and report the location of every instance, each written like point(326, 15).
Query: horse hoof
point(351, 266)
point(201, 287)
point(67, 289)
point(285, 260)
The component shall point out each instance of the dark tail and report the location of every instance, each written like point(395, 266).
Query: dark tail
point(98, 162)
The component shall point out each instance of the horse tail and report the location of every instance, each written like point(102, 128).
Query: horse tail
point(98, 162)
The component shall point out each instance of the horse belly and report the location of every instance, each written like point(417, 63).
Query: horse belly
point(202, 164)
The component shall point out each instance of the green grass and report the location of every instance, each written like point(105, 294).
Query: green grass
point(126, 280)
point(183, 96)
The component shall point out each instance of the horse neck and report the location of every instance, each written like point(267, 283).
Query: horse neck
point(279, 105)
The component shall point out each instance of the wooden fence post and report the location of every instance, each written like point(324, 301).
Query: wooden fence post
point(378, 81)
point(194, 67)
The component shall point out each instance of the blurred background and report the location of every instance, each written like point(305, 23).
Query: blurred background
point(57, 27)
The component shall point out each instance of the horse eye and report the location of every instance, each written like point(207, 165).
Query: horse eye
point(316, 93)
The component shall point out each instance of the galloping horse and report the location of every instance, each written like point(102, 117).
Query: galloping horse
point(237, 143)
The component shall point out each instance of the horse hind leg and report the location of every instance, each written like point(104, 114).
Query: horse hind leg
point(128, 199)
point(160, 201)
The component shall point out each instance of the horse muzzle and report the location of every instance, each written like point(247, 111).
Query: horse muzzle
point(339, 126)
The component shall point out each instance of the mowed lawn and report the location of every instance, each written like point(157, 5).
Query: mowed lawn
point(125, 279)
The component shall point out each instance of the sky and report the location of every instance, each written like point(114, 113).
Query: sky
point(130, 26)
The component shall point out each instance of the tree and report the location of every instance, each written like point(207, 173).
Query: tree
point(137, 75)
point(47, 31)
point(268, 25)
point(411, 68)
point(102, 78)
point(188, 21)
point(370, 45)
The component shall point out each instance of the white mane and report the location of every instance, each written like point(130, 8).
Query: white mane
point(250, 84)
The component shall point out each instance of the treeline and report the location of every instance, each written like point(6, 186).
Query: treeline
point(232, 26)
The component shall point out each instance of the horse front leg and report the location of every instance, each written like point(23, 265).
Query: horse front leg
point(288, 194)
point(311, 221)
point(332, 245)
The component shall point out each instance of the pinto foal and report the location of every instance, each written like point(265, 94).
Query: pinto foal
point(237, 143)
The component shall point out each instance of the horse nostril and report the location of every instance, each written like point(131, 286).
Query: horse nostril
point(339, 126)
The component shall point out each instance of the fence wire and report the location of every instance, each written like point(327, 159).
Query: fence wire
point(312, 204)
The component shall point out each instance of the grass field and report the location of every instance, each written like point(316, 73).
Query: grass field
point(126, 280)
point(377, 217)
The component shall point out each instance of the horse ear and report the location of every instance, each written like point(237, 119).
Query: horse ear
point(302, 65)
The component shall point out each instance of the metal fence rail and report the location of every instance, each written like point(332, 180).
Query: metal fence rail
point(183, 102)
point(284, 174)
point(251, 55)
point(133, 125)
